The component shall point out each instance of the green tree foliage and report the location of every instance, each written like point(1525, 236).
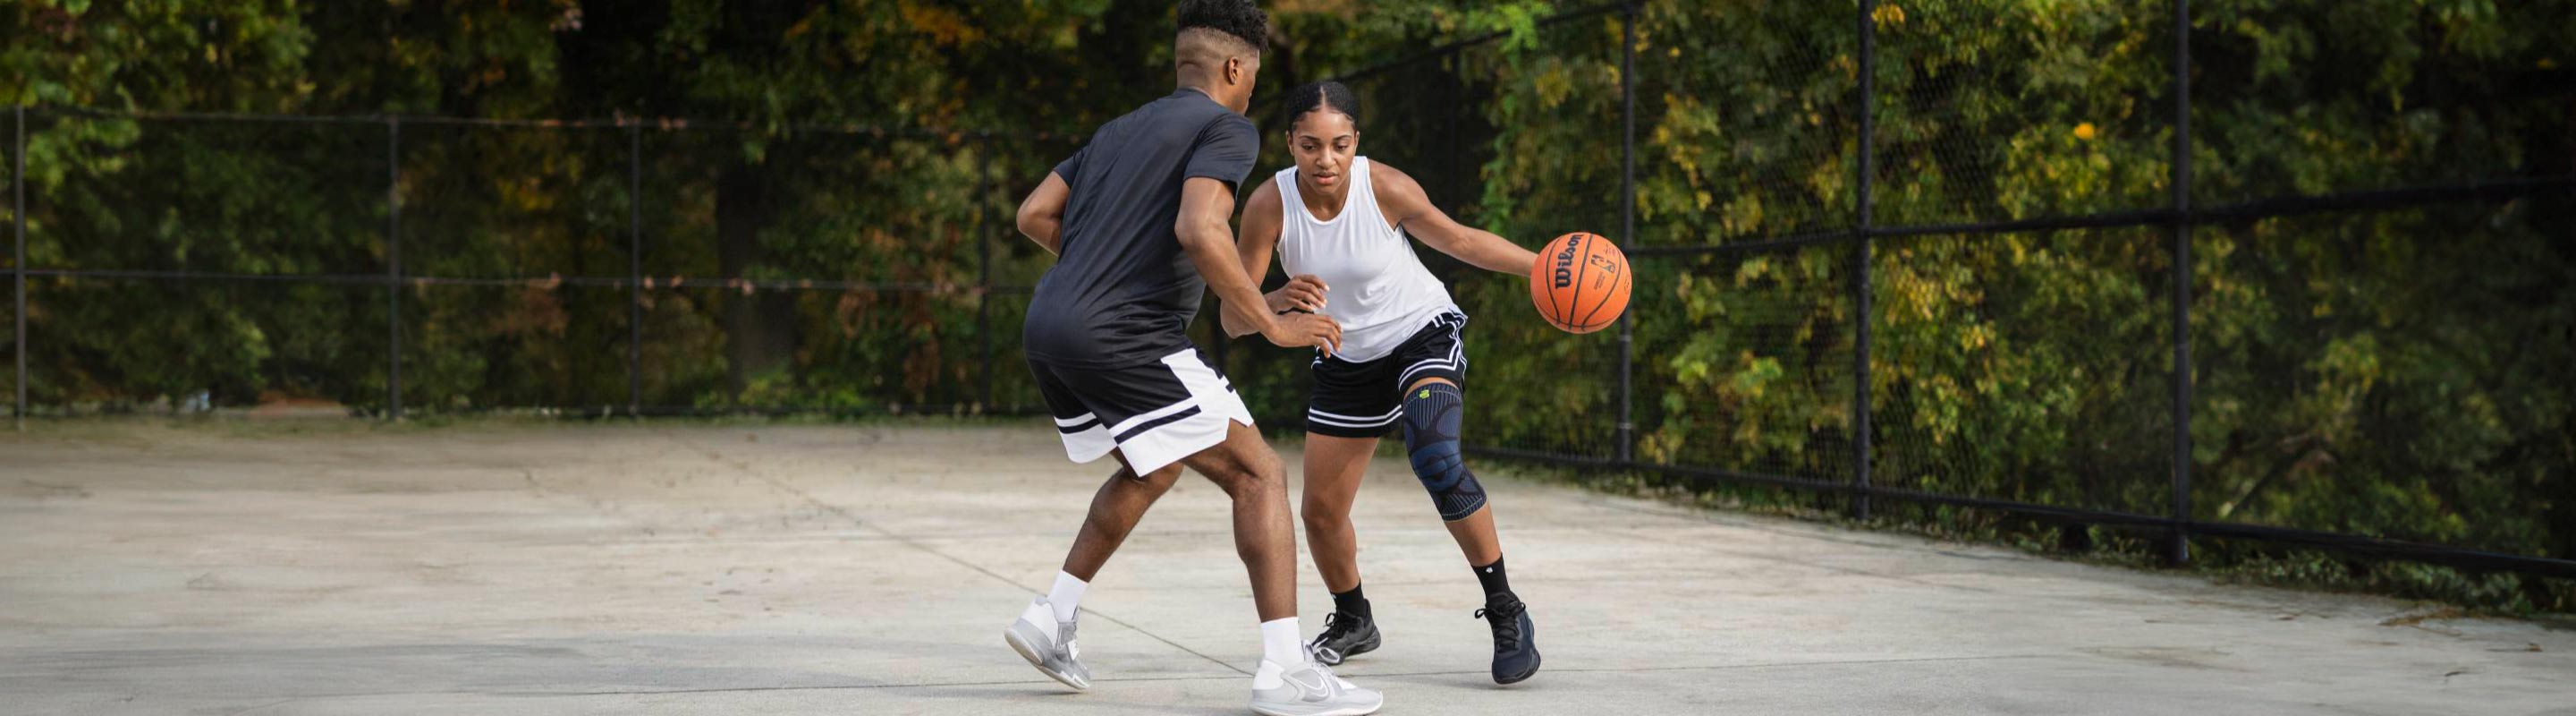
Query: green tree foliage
point(2396, 373)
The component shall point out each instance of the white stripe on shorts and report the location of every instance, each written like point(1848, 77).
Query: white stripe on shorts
point(1390, 415)
point(1312, 418)
point(1457, 353)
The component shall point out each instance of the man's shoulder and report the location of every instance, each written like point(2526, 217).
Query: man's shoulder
point(1192, 110)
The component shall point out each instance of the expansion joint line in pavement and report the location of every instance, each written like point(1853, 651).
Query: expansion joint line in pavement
point(865, 524)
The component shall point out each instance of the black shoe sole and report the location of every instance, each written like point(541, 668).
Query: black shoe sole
point(1364, 647)
point(1520, 677)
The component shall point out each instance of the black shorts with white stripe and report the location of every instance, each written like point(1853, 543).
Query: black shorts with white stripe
point(1363, 400)
point(1153, 414)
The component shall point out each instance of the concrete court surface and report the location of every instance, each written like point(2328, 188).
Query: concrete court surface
point(546, 568)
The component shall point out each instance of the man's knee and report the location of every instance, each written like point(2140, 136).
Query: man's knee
point(1431, 421)
point(1157, 481)
point(1251, 475)
point(1243, 462)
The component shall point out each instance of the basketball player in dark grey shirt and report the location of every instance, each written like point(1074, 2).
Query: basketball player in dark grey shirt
point(1122, 292)
point(1138, 219)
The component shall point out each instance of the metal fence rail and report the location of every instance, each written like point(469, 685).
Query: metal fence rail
point(1862, 235)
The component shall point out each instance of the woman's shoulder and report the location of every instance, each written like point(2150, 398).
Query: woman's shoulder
point(1265, 199)
point(1391, 186)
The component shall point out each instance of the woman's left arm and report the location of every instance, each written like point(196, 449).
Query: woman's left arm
point(1403, 202)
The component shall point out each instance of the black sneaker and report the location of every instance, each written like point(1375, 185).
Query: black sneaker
point(1345, 636)
point(1515, 648)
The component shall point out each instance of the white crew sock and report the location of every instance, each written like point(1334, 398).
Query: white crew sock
point(1282, 643)
point(1066, 596)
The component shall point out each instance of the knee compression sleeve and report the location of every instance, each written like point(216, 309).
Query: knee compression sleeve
point(1431, 435)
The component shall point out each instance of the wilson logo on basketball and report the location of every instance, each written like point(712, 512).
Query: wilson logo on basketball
point(1565, 262)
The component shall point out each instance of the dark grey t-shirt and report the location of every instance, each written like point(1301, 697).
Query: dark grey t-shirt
point(1122, 291)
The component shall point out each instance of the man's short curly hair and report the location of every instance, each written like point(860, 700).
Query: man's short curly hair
point(1238, 18)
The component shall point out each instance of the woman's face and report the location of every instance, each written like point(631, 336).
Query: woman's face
point(1323, 143)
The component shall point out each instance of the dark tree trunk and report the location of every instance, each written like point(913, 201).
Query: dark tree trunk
point(760, 329)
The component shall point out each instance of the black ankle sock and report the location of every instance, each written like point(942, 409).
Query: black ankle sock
point(1492, 577)
point(1351, 603)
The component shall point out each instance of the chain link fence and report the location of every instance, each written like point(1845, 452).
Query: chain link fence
point(407, 265)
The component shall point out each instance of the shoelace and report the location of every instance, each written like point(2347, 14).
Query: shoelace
point(1507, 625)
point(1335, 627)
point(1332, 682)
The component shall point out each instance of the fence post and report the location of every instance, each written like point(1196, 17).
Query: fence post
point(1627, 220)
point(393, 267)
point(984, 270)
point(18, 265)
point(2178, 547)
point(1460, 171)
point(1863, 221)
point(635, 268)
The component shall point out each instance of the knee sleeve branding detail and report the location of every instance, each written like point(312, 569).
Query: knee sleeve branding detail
point(1431, 419)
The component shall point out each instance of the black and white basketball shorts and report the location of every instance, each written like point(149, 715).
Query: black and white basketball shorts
point(1363, 400)
point(1154, 414)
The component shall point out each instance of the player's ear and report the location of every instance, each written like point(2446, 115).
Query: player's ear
point(1239, 68)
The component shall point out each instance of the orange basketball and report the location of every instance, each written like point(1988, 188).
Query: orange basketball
point(1580, 282)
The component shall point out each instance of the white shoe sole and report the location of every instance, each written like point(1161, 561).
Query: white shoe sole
point(1309, 711)
point(1029, 650)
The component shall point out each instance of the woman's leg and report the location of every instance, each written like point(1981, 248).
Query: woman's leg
point(1333, 469)
point(1475, 533)
point(1433, 412)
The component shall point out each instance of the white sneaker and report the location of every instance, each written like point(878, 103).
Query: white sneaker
point(1049, 649)
point(1310, 689)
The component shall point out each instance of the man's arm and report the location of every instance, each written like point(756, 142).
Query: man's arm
point(1260, 227)
point(1042, 214)
point(1260, 233)
point(1207, 239)
point(1404, 202)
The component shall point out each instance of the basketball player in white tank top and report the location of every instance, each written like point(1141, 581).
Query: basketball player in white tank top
point(1338, 222)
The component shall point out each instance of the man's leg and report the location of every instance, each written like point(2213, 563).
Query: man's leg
point(1287, 681)
point(1044, 633)
point(1252, 474)
point(1115, 510)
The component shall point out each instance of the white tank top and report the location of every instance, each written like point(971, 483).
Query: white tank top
point(1375, 287)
